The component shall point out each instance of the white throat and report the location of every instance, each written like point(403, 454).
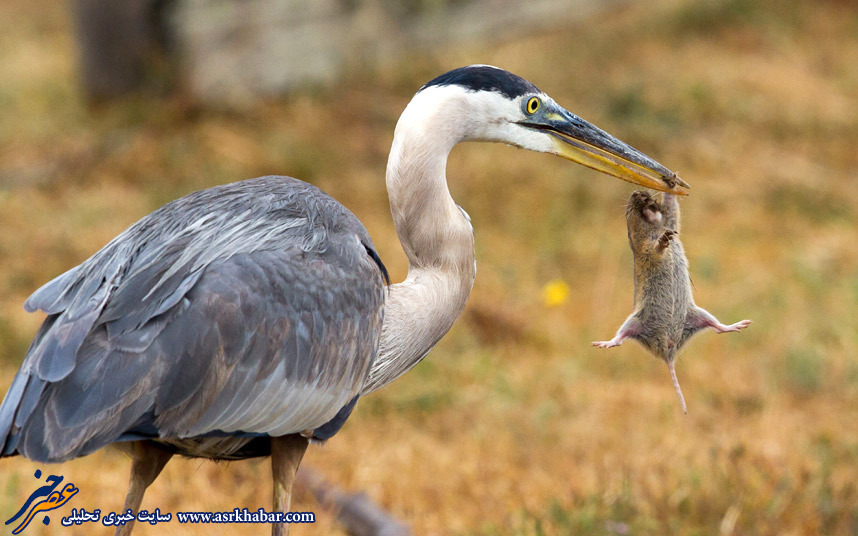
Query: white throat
point(435, 233)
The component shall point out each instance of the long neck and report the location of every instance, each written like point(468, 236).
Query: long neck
point(438, 241)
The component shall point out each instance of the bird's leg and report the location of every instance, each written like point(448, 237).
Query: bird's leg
point(631, 328)
point(286, 454)
point(147, 463)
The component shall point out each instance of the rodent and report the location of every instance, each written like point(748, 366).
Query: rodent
point(665, 314)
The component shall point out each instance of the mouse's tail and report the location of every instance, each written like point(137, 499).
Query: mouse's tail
point(676, 386)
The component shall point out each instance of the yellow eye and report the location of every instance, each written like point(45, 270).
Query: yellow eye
point(532, 105)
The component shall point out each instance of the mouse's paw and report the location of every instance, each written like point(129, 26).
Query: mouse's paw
point(665, 238)
point(607, 344)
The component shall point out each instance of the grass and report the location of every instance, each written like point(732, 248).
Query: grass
point(514, 424)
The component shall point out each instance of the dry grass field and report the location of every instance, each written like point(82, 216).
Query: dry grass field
point(514, 424)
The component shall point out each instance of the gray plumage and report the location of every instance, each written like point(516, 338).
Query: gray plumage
point(252, 308)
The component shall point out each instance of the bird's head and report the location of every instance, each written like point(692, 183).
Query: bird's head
point(484, 103)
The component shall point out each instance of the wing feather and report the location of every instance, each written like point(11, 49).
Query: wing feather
point(249, 308)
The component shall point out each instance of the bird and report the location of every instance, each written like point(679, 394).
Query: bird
point(247, 319)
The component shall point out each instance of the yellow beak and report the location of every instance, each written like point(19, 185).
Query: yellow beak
point(588, 145)
point(601, 160)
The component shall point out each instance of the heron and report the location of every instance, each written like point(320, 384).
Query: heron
point(247, 319)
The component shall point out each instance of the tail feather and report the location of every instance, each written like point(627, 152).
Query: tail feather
point(8, 410)
point(22, 396)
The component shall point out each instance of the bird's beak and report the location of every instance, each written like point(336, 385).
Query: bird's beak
point(588, 145)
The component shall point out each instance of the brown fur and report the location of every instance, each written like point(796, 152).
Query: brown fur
point(665, 314)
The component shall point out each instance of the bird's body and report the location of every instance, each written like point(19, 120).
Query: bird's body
point(247, 309)
point(245, 319)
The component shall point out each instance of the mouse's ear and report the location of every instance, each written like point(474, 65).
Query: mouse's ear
point(652, 213)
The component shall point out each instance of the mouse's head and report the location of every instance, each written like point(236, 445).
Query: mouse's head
point(644, 206)
point(644, 216)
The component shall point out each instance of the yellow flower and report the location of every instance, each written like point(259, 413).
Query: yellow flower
point(555, 293)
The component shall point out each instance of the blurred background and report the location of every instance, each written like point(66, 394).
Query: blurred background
point(514, 424)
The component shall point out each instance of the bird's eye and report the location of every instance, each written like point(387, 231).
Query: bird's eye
point(532, 105)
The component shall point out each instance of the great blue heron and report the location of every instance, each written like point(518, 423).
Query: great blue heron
point(247, 319)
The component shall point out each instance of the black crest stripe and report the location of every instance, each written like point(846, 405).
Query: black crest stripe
point(485, 78)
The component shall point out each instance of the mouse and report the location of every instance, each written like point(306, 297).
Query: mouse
point(665, 315)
